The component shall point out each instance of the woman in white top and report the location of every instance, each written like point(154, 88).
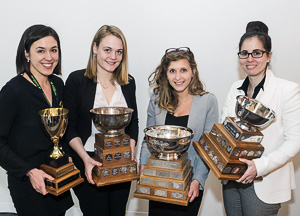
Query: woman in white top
point(105, 82)
point(281, 138)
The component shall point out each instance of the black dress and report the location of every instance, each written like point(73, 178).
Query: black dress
point(24, 145)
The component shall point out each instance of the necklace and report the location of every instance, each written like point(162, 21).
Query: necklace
point(105, 87)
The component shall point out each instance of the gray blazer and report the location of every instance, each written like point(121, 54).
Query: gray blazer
point(203, 114)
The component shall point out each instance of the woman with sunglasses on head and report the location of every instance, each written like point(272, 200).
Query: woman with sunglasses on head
point(281, 141)
point(23, 143)
point(104, 83)
point(179, 99)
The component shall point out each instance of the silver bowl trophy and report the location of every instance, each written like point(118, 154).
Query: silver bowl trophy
point(168, 174)
point(55, 121)
point(236, 138)
point(112, 147)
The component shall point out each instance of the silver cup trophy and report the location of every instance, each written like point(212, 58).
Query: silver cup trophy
point(168, 174)
point(238, 137)
point(112, 146)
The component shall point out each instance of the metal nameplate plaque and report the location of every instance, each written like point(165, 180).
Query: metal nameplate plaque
point(147, 181)
point(150, 172)
point(177, 195)
point(174, 165)
point(143, 190)
point(161, 183)
point(159, 192)
point(108, 144)
point(117, 142)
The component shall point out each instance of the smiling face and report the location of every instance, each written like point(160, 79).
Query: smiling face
point(180, 74)
point(254, 67)
point(43, 56)
point(109, 53)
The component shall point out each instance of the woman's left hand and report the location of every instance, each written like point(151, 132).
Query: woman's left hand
point(194, 190)
point(250, 173)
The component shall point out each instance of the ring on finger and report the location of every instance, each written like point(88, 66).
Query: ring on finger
point(246, 180)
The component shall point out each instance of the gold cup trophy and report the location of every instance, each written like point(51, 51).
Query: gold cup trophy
point(55, 121)
point(112, 146)
point(168, 174)
point(236, 138)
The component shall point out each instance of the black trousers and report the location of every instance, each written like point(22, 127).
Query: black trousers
point(166, 209)
point(108, 200)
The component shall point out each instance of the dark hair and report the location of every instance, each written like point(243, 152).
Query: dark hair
point(32, 34)
point(260, 30)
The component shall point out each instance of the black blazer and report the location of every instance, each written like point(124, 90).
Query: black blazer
point(79, 96)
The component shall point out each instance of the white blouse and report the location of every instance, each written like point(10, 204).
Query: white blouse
point(118, 100)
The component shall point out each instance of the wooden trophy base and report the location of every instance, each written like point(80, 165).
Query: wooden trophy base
point(107, 157)
point(162, 195)
point(235, 167)
point(115, 173)
point(112, 142)
point(64, 183)
point(58, 172)
point(166, 181)
point(233, 149)
point(241, 135)
point(65, 177)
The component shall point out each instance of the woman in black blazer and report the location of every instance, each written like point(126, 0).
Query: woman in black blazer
point(105, 82)
point(24, 146)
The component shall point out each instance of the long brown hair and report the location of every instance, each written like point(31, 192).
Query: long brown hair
point(121, 72)
point(167, 96)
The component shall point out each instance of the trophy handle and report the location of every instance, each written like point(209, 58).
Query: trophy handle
point(56, 153)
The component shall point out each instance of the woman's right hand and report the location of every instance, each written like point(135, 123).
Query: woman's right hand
point(37, 178)
point(89, 164)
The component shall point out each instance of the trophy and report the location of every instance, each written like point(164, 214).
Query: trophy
point(54, 121)
point(168, 174)
point(236, 138)
point(112, 147)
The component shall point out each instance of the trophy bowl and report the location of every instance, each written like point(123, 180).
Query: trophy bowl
point(251, 112)
point(55, 121)
point(168, 142)
point(111, 121)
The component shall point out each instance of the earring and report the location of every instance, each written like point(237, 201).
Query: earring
point(94, 54)
point(28, 60)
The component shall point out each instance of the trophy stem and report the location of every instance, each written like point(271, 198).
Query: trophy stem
point(244, 125)
point(56, 153)
point(112, 132)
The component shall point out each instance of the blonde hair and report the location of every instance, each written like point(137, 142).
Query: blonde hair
point(167, 96)
point(121, 72)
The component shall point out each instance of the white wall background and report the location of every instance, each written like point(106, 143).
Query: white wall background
point(211, 29)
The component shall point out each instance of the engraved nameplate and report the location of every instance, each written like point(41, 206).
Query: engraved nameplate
point(144, 190)
point(149, 172)
point(147, 181)
point(177, 195)
point(161, 183)
point(162, 193)
point(163, 174)
point(174, 165)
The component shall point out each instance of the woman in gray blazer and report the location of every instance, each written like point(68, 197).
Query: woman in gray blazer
point(179, 99)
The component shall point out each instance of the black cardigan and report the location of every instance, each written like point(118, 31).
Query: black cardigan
point(79, 96)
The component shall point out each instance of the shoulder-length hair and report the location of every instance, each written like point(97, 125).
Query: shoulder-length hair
point(32, 34)
point(167, 96)
point(121, 72)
